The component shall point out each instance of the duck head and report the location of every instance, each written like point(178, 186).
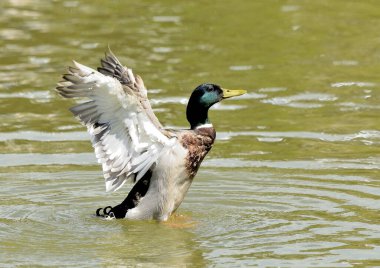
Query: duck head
point(202, 98)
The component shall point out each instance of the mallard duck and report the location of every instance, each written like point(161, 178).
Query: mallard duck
point(130, 142)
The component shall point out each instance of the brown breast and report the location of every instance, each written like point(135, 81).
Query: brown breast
point(198, 142)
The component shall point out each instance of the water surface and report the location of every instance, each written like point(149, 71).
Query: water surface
point(293, 179)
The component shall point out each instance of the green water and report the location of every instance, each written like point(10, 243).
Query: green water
point(293, 179)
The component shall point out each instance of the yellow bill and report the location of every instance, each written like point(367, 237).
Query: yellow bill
point(228, 93)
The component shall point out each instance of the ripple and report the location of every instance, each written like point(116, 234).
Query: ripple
point(44, 136)
point(184, 101)
point(162, 49)
point(17, 13)
point(70, 4)
point(317, 164)
point(155, 90)
point(11, 160)
point(250, 95)
point(346, 62)
point(245, 67)
point(35, 95)
point(364, 135)
point(290, 8)
point(174, 19)
point(14, 34)
point(272, 89)
point(89, 45)
point(228, 107)
point(350, 84)
point(287, 219)
point(296, 101)
point(39, 60)
point(352, 106)
point(241, 67)
point(176, 100)
point(269, 139)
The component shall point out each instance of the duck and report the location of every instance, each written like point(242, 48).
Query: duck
point(131, 144)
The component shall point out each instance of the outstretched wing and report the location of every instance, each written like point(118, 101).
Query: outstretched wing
point(126, 137)
point(111, 66)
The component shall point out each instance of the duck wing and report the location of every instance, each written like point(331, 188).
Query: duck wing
point(111, 66)
point(125, 133)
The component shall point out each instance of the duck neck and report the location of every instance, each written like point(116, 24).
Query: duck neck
point(197, 114)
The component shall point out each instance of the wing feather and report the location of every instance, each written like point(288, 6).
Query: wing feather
point(127, 141)
point(111, 66)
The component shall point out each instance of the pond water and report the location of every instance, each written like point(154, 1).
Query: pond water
point(293, 179)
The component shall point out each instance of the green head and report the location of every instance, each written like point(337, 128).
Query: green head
point(202, 98)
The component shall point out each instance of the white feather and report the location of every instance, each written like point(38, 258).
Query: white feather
point(126, 142)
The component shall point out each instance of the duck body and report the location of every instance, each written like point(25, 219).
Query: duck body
point(173, 174)
point(130, 142)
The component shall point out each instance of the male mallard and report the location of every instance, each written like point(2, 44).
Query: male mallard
point(130, 142)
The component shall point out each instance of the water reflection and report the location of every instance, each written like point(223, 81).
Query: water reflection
point(167, 246)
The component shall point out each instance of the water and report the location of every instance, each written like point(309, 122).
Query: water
point(293, 179)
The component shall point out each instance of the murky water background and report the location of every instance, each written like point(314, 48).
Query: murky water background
point(293, 179)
